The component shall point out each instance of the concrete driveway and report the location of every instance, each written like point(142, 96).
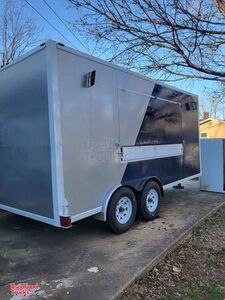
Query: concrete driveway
point(87, 261)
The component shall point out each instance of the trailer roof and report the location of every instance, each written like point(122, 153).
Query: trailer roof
point(93, 58)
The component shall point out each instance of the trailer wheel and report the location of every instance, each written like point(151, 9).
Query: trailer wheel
point(149, 202)
point(122, 210)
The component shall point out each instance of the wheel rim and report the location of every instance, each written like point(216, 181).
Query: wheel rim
point(123, 210)
point(152, 200)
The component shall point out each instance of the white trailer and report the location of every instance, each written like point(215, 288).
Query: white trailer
point(81, 137)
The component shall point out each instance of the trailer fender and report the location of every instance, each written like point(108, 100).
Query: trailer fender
point(139, 184)
point(102, 216)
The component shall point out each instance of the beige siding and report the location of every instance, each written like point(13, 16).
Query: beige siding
point(213, 129)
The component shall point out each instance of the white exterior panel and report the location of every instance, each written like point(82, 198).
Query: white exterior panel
point(137, 153)
point(213, 165)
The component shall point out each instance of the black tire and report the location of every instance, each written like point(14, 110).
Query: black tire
point(148, 209)
point(114, 213)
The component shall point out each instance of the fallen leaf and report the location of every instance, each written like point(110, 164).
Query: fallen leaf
point(176, 269)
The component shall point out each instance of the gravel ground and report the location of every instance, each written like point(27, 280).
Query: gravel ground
point(195, 270)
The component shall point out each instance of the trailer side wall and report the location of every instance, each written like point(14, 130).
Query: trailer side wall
point(25, 167)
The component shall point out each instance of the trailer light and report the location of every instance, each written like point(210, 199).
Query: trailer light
point(65, 221)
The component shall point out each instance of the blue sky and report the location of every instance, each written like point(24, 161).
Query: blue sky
point(69, 14)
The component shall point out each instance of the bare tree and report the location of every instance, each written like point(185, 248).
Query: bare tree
point(173, 39)
point(215, 104)
point(17, 31)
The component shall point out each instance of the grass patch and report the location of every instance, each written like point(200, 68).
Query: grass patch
point(214, 220)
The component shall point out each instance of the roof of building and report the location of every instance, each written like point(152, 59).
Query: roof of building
point(211, 119)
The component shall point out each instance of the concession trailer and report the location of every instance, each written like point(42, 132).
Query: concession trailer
point(81, 137)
